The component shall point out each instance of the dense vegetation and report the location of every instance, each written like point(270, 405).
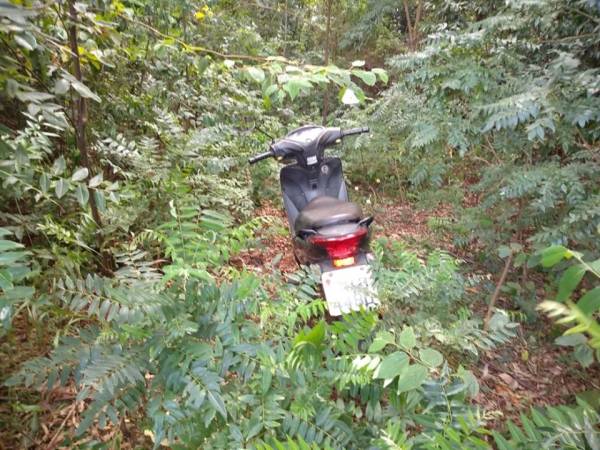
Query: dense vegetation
point(126, 198)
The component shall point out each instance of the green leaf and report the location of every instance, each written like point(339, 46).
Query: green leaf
point(315, 336)
point(217, 401)
point(412, 378)
point(553, 255)
point(470, 381)
point(569, 281)
point(295, 85)
point(431, 357)
point(584, 355)
point(590, 302)
point(80, 174)
point(502, 443)
point(349, 97)
point(369, 78)
point(8, 258)
point(292, 89)
point(407, 338)
point(82, 194)
point(6, 280)
point(391, 366)
point(266, 378)
point(520, 259)
point(270, 90)
point(84, 91)
point(44, 182)
point(95, 181)
point(59, 166)
point(504, 251)
point(571, 340)
point(382, 74)
point(19, 293)
point(381, 340)
point(9, 245)
point(23, 42)
point(256, 73)
point(34, 97)
point(61, 188)
point(61, 86)
point(100, 201)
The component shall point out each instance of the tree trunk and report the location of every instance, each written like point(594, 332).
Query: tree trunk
point(328, 8)
point(285, 29)
point(79, 122)
point(490, 310)
point(413, 27)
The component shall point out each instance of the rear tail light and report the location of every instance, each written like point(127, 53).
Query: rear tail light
point(341, 249)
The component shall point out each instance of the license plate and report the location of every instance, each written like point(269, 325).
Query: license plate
point(349, 289)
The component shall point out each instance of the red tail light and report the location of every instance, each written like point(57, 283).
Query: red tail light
point(340, 247)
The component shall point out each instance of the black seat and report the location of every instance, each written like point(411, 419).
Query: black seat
point(325, 211)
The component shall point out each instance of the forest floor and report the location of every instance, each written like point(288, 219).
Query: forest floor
point(529, 371)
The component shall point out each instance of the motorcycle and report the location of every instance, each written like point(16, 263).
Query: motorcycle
point(328, 230)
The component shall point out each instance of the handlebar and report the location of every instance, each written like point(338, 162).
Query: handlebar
point(353, 131)
point(331, 136)
point(260, 157)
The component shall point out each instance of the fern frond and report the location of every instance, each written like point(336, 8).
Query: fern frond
point(108, 371)
point(109, 301)
point(554, 427)
point(511, 111)
point(290, 444)
point(14, 270)
point(350, 370)
point(570, 313)
point(348, 333)
point(325, 429)
point(62, 365)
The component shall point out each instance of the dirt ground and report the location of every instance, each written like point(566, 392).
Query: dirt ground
point(512, 378)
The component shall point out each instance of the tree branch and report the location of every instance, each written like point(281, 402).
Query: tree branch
point(195, 48)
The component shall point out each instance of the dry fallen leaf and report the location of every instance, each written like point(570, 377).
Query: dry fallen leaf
point(510, 381)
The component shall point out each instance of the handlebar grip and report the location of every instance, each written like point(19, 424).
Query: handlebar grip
point(352, 131)
point(260, 157)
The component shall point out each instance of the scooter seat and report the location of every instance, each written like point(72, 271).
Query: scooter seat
point(326, 211)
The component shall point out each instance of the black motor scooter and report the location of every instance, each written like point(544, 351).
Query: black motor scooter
point(328, 229)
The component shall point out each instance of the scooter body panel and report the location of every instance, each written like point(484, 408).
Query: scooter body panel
point(300, 185)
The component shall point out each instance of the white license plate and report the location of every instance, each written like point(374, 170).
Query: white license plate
point(349, 289)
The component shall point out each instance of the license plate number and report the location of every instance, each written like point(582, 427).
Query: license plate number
point(349, 289)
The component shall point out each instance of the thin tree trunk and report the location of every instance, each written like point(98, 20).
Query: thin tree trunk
point(408, 24)
point(285, 30)
point(328, 8)
point(80, 121)
point(416, 34)
point(185, 38)
point(488, 316)
point(413, 27)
